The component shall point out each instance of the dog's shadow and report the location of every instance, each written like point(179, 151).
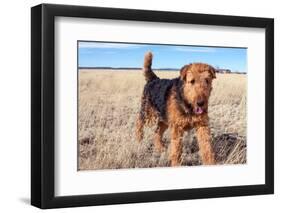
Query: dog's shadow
point(229, 148)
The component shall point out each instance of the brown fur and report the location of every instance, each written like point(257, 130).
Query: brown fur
point(185, 107)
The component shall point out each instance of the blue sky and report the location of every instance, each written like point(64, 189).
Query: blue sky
point(105, 54)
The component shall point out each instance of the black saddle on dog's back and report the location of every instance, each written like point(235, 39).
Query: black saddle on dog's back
point(158, 91)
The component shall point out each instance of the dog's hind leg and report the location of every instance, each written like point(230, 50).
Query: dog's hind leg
point(139, 128)
point(161, 127)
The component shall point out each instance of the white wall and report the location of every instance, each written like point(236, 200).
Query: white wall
point(15, 104)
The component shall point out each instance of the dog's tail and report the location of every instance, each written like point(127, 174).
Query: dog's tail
point(147, 71)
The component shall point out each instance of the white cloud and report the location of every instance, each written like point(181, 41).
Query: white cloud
point(196, 49)
point(106, 45)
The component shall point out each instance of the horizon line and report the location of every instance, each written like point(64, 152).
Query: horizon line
point(139, 68)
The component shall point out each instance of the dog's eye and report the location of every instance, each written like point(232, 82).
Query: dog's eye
point(192, 81)
point(207, 81)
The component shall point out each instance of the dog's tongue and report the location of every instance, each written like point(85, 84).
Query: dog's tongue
point(198, 111)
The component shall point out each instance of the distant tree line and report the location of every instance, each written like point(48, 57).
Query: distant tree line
point(227, 71)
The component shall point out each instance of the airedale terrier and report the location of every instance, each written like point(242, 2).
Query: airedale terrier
point(179, 104)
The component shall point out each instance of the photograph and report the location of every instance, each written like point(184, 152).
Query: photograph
point(150, 105)
point(142, 105)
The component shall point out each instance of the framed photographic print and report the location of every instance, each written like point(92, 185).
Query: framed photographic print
point(139, 106)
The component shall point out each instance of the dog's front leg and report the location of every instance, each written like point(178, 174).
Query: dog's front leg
point(205, 146)
point(176, 145)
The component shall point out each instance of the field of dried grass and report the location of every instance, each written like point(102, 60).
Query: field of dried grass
point(108, 105)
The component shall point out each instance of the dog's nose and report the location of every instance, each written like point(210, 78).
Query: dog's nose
point(200, 103)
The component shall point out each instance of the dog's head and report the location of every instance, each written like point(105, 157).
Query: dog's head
point(197, 86)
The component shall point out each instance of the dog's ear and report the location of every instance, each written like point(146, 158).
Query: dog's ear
point(183, 71)
point(212, 71)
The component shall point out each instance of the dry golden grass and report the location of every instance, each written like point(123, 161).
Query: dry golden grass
point(108, 105)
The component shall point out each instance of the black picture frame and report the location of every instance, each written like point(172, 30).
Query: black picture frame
point(43, 105)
